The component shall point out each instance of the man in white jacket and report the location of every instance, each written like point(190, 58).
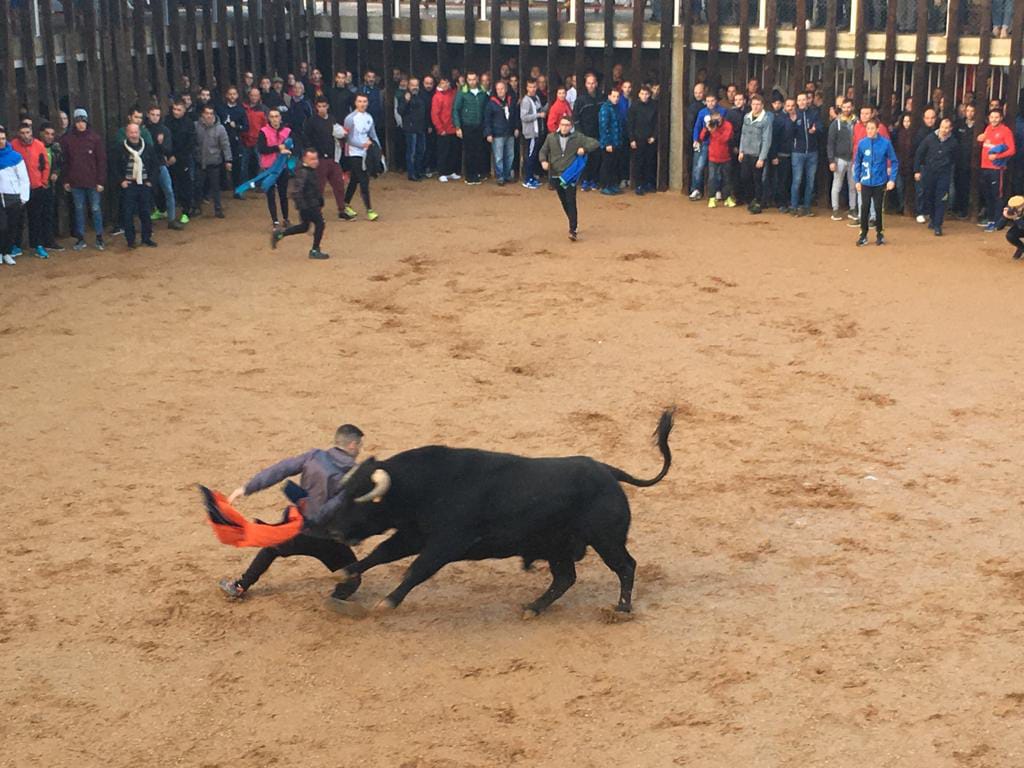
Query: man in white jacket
point(532, 116)
point(14, 194)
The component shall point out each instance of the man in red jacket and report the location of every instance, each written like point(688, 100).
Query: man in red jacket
point(256, 115)
point(997, 147)
point(37, 163)
point(718, 134)
point(448, 153)
point(85, 169)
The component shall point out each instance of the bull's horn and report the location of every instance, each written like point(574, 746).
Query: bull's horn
point(381, 483)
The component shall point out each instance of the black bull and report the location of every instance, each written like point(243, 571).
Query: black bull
point(449, 504)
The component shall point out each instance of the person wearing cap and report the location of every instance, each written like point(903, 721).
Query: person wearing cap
point(933, 171)
point(15, 190)
point(1013, 214)
point(83, 174)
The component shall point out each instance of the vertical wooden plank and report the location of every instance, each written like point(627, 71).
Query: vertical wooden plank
point(337, 46)
point(125, 69)
point(49, 59)
point(11, 101)
point(362, 46)
point(799, 73)
point(223, 55)
point(495, 37)
point(140, 67)
point(310, 28)
point(387, 53)
point(1013, 78)
point(192, 42)
point(578, 64)
point(771, 23)
point(981, 82)
point(255, 58)
point(28, 57)
point(174, 43)
point(608, 17)
point(93, 68)
point(470, 32)
point(860, 45)
point(157, 18)
point(831, 36)
point(111, 88)
point(293, 31)
point(743, 61)
point(72, 46)
point(667, 88)
point(714, 42)
point(238, 26)
point(269, 45)
point(953, 54)
point(664, 137)
point(637, 35)
point(209, 73)
point(524, 49)
point(887, 83)
point(442, 38)
point(280, 38)
point(415, 33)
point(919, 89)
point(553, 32)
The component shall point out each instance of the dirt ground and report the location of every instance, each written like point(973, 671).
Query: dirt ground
point(831, 574)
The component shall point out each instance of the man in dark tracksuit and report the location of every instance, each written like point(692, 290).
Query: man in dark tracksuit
point(309, 200)
point(586, 117)
point(183, 139)
point(321, 473)
point(934, 162)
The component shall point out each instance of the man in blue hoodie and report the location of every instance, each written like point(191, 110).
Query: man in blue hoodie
point(875, 167)
point(612, 138)
point(805, 156)
point(700, 148)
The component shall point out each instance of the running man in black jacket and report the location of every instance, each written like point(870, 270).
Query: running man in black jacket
point(305, 192)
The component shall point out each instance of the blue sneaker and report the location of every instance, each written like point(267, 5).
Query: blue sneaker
point(41, 252)
point(990, 227)
point(16, 251)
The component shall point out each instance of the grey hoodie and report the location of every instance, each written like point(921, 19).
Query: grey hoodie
point(756, 136)
point(840, 139)
point(212, 146)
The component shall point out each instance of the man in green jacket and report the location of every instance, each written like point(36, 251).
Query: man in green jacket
point(468, 116)
point(560, 150)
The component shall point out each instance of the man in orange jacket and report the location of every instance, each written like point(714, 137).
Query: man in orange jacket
point(37, 163)
point(997, 147)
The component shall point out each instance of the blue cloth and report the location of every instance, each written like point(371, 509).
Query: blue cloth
point(998, 162)
point(266, 179)
point(9, 157)
point(572, 174)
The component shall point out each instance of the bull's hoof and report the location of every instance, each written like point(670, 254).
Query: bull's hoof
point(615, 616)
point(346, 608)
point(529, 613)
point(387, 605)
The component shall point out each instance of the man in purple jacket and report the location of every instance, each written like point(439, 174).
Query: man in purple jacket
point(83, 175)
point(321, 473)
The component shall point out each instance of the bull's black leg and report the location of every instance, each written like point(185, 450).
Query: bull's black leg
point(563, 576)
point(398, 546)
point(432, 559)
point(617, 558)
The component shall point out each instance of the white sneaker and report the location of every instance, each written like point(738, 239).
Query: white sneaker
point(9, 260)
point(454, 176)
point(921, 219)
point(695, 195)
point(443, 179)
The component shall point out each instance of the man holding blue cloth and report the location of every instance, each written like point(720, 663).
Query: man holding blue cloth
point(563, 155)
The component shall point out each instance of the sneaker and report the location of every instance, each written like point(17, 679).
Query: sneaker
point(318, 255)
point(117, 231)
point(9, 260)
point(572, 235)
point(755, 208)
point(218, 214)
point(640, 191)
point(348, 214)
point(501, 182)
point(99, 244)
point(712, 202)
point(986, 224)
point(454, 176)
point(783, 209)
point(149, 243)
point(809, 213)
point(695, 195)
point(535, 184)
point(610, 191)
point(836, 216)
point(175, 225)
point(862, 240)
point(232, 588)
point(443, 179)
point(880, 240)
point(56, 247)
point(1018, 254)
point(718, 196)
point(372, 215)
point(275, 224)
point(157, 215)
point(938, 231)
point(990, 227)
point(41, 252)
point(285, 224)
point(920, 219)
point(16, 251)
point(184, 218)
point(275, 237)
point(854, 224)
point(853, 215)
point(79, 245)
point(729, 202)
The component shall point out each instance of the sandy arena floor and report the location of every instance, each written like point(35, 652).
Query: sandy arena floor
point(831, 575)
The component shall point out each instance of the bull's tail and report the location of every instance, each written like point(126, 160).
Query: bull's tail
point(661, 437)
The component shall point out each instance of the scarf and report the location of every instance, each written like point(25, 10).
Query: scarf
point(9, 157)
point(136, 156)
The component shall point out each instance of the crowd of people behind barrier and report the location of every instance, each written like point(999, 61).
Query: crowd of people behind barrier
point(749, 148)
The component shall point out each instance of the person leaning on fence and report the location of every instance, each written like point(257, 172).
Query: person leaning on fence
point(83, 175)
point(15, 191)
point(934, 162)
point(875, 169)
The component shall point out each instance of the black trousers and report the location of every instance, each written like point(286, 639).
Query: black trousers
point(991, 188)
point(751, 180)
point(609, 167)
point(181, 181)
point(281, 189)
point(312, 216)
point(962, 190)
point(357, 177)
point(645, 162)
point(477, 156)
point(38, 205)
point(592, 171)
point(869, 195)
point(567, 197)
point(333, 554)
point(11, 214)
point(136, 200)
point(1015, 235)
point(447, 154)
point(211, 178)
point(782, 180)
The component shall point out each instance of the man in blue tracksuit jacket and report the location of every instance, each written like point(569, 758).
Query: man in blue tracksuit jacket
point(805, 156)
point(700, 148)
point(875, 167)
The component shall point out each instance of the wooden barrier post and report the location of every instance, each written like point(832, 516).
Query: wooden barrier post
point(771, 23)
point(50, 63)
point(714, 41)
point(608, 17)
point(442, 39)
point(553, 32)
point(157, 18)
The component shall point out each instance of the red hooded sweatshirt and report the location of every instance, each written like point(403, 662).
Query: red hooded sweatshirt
point(441, 112)
point(37, 161)
point(718, 144)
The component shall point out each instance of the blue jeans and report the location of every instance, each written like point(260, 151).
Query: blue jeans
point(700, 162)
point(503, 149)
point(168, 189)
point(1002, 13)
point(805, 166)
point(79, 195)
point(415, 153)
point(250, 163)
